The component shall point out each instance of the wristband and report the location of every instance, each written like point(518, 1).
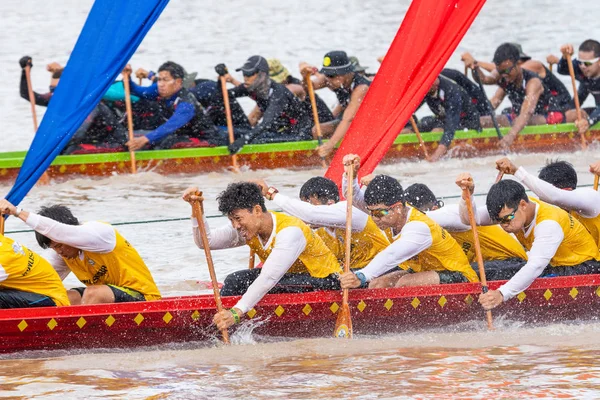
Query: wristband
point(236, 316)
point(18, 211)
point(362, 278)
point(271, 192)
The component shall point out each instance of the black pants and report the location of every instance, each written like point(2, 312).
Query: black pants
point(500, 270)
point(12, 298)
point(237, 283)
point(585, 268)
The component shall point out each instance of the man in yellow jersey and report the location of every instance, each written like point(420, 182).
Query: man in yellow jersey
point(95, 252)
point(433, 256)
point(295, 259)
point(321, 208)
point(557, 184)
point(557, 243)
point(502, 254)
point(26, 279)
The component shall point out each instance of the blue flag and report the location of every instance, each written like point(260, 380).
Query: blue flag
point(111, 34)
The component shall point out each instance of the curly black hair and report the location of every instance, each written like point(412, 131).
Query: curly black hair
point(384, 189)
point(240, 196)
point(561, 174)
point(507, 193)
point(322, 188)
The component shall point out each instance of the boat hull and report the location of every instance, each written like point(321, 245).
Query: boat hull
point(293, 155)
point(380, 311)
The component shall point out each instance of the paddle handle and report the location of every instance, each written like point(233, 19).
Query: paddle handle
point(479, 256)
point(197, 210)
point(421, 142)
point(126, 77)
point(490, 108)
point(31, 97)
point(315, 112)
point(140, 81)
point(576, 97)
point(348, 241)
point(499, 176)
point(596, 182)
point(234, 161)
point(2, 224)
point(251, 259)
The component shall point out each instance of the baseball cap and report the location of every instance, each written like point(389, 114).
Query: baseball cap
point(336, 63)
point(277, 71)
point(522, 56)
point(253, 65)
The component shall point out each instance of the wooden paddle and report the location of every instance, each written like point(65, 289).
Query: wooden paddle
point(550, 67)
point(576, 98)
point(421, 142)
point(31, 97)
point(1, 224)
point(484, 287)
point(126, 77)
point(251, 260)
point(343, 324)
point(234, 162)
point(140, 81)
point(596, 182)
point(489, 106)
point(198, 212)
point(499, 176)
point(313, 105)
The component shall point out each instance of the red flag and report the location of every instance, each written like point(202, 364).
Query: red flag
point(429, 34)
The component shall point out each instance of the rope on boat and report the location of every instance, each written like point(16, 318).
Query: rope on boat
point(154, 221)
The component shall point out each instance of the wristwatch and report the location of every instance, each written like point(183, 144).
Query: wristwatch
point(271, 192)
point(18, 211)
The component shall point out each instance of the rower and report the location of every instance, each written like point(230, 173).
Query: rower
point(95, 252)
point(557, 243)
point(452, 109)
point(559, 95)
point(295, 259)
point(350, 89)
point(320, 207)
point(185, 123)
point(478, 97)
point(502, 254)
point(283, 116)
point(529, 96)
point(26, 279)
point(425, 251)
point(587, 72)
point(557, 184)
point(281, 74)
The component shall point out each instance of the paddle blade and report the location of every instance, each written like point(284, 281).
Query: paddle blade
point(343, 324)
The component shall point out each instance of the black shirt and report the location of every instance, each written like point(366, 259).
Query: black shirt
point(587, 86)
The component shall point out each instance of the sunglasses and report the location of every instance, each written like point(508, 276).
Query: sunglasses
point(589, 63)
point(382, 212)
point(506, 71)
point(248, 74)
point(507, 218)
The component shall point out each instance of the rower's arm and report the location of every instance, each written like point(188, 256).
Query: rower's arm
point(333, 215)
point(223, 237)
point(584, 201)
point(448, 217)
point(482, 217)
point(358, 193)
point(92, 236)
point(490, 79)
point(533, 91)
point(145, 92)
point(498, 97)
point(289, 244)
point(415, 238)
point(548, 236)
point(356, 100)
point(183, 114)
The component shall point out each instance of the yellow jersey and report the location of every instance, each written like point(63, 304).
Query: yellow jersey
point(495, 243)
point(121, 267)
point(591, 224)
point(22, 269)
point(577, 246)
point(363, 247)
point(316, 259)
point(444, 254)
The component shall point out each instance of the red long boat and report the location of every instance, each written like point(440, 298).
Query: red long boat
point(379, 311)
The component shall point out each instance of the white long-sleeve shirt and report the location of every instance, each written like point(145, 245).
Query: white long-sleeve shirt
point(93, 236)
point(548, 237)
point(289, 244)
point(358, 193)
point(332, 216)
point(415, 237)
point(584, 201)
